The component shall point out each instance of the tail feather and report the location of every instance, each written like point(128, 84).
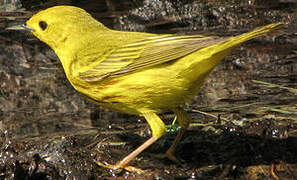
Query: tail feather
point(236, 40)
point(205, 59)
point(222, 49)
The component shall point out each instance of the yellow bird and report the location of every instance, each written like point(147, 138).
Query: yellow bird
point(132, 72)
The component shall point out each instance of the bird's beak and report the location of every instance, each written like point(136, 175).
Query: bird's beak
point(21, 27)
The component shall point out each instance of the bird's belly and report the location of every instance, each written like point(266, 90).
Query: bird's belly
point(154, 90)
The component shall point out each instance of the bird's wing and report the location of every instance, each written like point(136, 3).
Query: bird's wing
point(146, 53)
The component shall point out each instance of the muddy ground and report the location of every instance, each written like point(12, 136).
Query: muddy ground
point(244, 120)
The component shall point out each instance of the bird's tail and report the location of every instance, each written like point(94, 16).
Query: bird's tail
point(236, 40)
point(205, 59)
point(212, 55)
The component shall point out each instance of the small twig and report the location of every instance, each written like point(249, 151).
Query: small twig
point(292, 90)
point(204, 113)
point(272, 171)
point(211, 115)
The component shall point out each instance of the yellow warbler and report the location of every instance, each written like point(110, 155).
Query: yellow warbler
point(132, 72)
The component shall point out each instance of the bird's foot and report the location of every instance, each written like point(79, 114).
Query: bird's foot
point(118, 167)
point(168, 155)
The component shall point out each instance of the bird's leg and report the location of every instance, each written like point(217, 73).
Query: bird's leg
point(184, 121)
point(158, 128)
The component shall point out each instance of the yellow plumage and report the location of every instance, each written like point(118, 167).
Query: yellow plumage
point(133, 72)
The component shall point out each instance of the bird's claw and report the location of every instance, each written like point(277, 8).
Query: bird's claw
point(168, 155)
point(118, 167)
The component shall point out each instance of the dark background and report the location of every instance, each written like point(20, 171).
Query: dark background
point(244, 118)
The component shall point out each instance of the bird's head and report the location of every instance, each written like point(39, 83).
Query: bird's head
point(56, 25)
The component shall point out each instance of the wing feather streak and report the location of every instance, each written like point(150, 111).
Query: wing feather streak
point(146, 53)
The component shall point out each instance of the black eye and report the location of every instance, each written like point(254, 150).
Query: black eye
point(42, 25)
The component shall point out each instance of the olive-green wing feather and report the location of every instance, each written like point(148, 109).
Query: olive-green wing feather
point(146, 53)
